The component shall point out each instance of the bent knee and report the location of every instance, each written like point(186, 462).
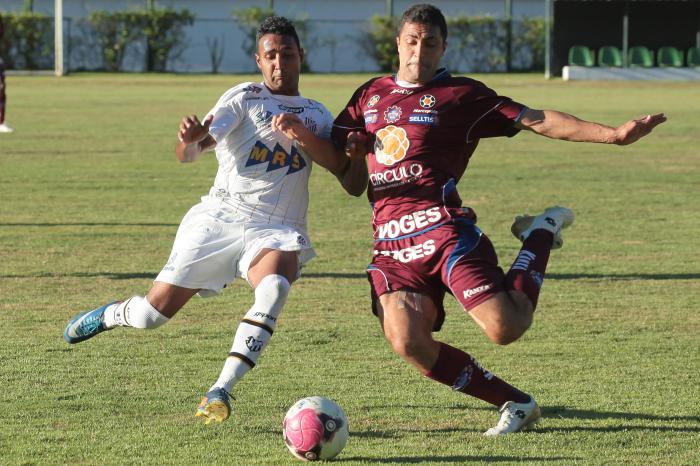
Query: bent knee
point(407, 346)
point(503, 333)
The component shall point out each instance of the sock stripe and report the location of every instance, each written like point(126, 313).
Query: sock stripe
point(242, 358)
point(258, 324)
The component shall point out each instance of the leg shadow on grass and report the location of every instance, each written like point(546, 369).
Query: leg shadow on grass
point(630, 421)
point(456, 459)
point(623, 276)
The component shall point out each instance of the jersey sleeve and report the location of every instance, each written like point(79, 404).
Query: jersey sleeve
point(490, 115)
point(227, 113)
point(350, 118)
point(326, 126)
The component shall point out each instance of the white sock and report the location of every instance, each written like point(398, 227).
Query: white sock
point(255, 331)
point(135, 312)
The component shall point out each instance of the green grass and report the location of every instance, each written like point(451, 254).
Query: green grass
point(91, 197)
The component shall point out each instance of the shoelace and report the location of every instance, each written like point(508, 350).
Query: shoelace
point(89, 323)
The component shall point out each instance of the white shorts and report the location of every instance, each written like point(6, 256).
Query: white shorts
point(211, 248)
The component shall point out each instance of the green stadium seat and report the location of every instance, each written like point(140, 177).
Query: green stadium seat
point(669, 56)
point(693, 58)
point(580, 55)
point(609, 55)
point(641, 56)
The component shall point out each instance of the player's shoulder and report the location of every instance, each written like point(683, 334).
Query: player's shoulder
point(241, 91)
point(466, 86)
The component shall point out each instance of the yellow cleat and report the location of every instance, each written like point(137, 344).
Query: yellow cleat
point(214, 406)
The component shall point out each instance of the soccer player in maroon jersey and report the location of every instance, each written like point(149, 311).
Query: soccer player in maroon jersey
point(4, 128)
point(424, 125)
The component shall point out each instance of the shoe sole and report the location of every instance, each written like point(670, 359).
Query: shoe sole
point(523, 222)
point(216, 411)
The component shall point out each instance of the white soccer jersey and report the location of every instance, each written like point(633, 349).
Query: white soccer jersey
point(263, 176)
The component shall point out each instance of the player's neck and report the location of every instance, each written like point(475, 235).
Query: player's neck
point(285, 92)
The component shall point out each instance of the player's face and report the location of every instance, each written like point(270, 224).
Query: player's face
point(420, 49)
point(279, 60)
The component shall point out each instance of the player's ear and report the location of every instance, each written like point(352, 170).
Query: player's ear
point(302, 52)
point(257, 61)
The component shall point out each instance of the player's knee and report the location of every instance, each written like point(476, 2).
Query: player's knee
point(141, 314)
point(505, 333)
point(406, 345)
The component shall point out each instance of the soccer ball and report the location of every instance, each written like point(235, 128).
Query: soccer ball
point(315, 428)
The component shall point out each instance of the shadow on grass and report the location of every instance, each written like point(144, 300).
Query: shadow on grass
point(455, 459)
point(561, 412)
point(89, 224)
point(622, 276)
point(569, 413)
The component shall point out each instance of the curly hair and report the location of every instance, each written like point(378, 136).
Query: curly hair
point(277, 25)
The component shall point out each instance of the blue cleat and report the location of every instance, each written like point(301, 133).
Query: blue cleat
point(215, 406)
point(86, 325)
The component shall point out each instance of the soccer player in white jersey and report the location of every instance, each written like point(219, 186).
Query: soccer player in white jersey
point(252, 224)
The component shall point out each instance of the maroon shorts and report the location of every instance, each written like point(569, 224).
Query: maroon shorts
point(456, 258)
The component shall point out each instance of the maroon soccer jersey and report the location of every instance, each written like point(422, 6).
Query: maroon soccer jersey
point(423, 138)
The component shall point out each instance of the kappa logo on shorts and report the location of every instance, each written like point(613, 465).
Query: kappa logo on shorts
point(301, 240)
point(277, 158)
point(253, 344)
point(473, 291)
point(391, 145)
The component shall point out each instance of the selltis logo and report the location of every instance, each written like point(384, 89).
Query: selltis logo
point(391, 145)
point(277, 158)
point(421, 119)
point(411, 253)
point(401, 91)
point(409, 223)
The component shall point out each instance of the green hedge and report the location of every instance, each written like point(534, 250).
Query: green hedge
point(28, 41)
point(475, 43)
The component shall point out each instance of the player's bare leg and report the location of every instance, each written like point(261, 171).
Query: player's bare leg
point(149, 312)
point(270, 274)
point(506, 316)
point(407, 319)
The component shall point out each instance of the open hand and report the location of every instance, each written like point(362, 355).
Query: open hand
point(634, 130)
point(192, 130)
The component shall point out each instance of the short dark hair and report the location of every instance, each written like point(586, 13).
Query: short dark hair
point(425, 14)
point(278, 25)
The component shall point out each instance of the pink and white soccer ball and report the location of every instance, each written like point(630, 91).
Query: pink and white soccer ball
point(315, 428)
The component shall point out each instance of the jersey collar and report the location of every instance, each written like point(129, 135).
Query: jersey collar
point(439, 74)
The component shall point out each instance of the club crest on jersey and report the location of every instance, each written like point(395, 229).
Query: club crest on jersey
point(276, 158)
point(391, 145)
point(392, 114)
point(427, 101)
point(263, 119)
point(373, 101)
point(310, 124)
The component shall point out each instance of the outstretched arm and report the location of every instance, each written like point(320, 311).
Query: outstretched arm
point(193, 138)
point(350, 168)
point(559, 125)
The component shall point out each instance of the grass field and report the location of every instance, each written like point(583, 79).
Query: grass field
point(90, 199)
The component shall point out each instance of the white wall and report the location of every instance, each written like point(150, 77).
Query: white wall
point(336, 26)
